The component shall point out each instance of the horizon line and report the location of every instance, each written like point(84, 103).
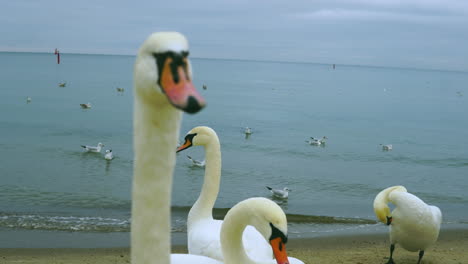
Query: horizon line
point(260, 60)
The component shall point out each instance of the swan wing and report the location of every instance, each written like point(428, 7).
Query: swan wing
point(203, 239)
point(256, 247)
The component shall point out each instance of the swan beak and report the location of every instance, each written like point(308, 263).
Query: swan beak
point(279, 251)
point(187, 144)
point(178, 87)
point(389, 220)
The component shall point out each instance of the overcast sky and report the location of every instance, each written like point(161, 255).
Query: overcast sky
point(410, 33)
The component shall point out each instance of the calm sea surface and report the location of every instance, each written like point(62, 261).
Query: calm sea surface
point(48, 185)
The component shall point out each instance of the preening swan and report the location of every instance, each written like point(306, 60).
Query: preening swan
point(162, 86)
point(413, 224)
point(203, 231)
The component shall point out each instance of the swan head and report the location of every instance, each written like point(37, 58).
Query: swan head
point(100, 144)
point(270, 221)
point(198, 136)
point(381, 209)
point(163, 72)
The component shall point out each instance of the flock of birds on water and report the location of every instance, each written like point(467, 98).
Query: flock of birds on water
point(254, 230)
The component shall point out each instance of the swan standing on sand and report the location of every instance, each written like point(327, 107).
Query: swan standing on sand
point(162, 86)
point(413, 224)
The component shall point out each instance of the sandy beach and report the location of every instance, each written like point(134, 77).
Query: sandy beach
point(359, 249)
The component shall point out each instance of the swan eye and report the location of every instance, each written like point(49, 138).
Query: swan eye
point(275, 233)
point(177, 59)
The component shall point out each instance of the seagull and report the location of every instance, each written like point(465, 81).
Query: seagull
point(248, 130)
point(387, 147)
point(109, 155)
point(316, 141)
point(62, 84)
point(93, 148)
point(197, 163)
point(120, 90)
point(28, 99)
point(282, 194)
point(86, 106)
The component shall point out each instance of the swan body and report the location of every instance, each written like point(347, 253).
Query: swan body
point(162, 87)
point(96, 149)
point(268, 219)
point(261, 214)
point(282, 194)
point(109, 155)
point(203, 231)
point(414, 225)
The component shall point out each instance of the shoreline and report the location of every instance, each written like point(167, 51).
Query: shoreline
point(368, 248)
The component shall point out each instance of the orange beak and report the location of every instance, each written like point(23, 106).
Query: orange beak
point(187, 144)
point(279, 251)
point(179, 88)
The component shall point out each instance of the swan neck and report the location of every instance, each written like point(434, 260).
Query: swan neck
point(203, 207)
point(232, 228)
point(155, 139)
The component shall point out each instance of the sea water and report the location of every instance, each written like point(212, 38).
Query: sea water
point(50, 186)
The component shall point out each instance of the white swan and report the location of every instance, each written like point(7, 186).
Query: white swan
point(203, 231)
point(96, 149)
point(266, 217)
point(413, 224)
point(162, 83)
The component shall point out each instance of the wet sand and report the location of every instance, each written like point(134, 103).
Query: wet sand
point(451, 248)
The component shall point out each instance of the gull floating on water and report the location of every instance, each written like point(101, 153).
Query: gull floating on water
point(93, 148)
point(197, 163)
point(28, 99)
point(109, 155)
point(387, 147)
point(283, 194)
point(316, 141)
point(62, 84)
point(247, 130)
point(86, 106)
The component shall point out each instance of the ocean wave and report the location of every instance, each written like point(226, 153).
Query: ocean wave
point(64, 223)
